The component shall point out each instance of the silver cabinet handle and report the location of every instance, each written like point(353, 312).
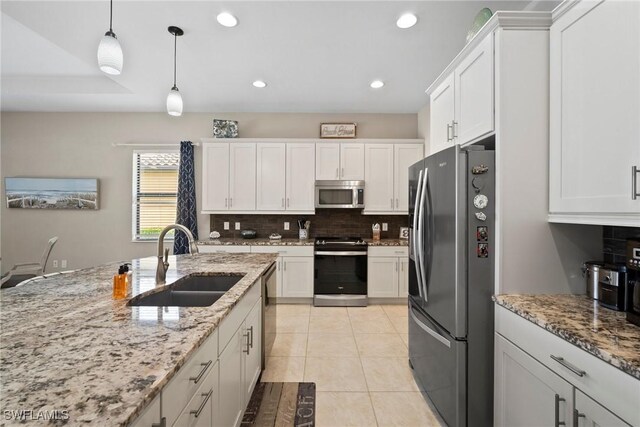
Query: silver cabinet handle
point(288, 204)
point(283, 202)
point(634, 182)
point(226, 202)
point(392, 203)
point(558, 423)
point(162, 423)
point(397, 203)
point(284, 265)
point(454, 128)
point(206, 396)
point(247, 337)
point(449, 128)
point(579, 372)
point(230, 201)
point(396, 263)
point(205, 366)
point(251, 340)
point(576, 417)
point(343, 172)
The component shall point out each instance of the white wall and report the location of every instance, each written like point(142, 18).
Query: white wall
point(80, 145)
point(424, 122)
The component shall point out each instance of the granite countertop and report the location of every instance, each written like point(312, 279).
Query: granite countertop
point(388, 242)
point(581, 321)
point(65, 344)
point(262, 241)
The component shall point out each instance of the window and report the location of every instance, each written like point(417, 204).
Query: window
point(155, 187)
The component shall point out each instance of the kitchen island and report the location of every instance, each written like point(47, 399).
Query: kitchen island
point(67, 345)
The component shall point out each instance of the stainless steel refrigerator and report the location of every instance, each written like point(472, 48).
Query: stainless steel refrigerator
point(451, 281)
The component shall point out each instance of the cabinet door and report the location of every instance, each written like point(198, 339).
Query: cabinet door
point(253, 358)
point(231, 364)
point(297, 277)
point(300, 177)
point(474, 94)
point(270, 191)
point(526, 392)
point(382, 277)
point(352, 161)
point(199, 412)
point(379, 178)
point(150, 416)
point(242, 177)
point(404, 156)
point(215, 177)
point(442, 115)
point(594, 108)
point(589, 413)
point(327, 160)
point(403, 278)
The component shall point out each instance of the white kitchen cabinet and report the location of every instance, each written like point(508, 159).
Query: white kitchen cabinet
point(253, 355)
point(327, 160)
point(215, 177)
point(351, 161)
point(382, 277)
point(473, 83)
point(300, 177)
point(297, 277)
point(378, 178)
point(344, 160)
point(232, 403)
point(404, 155)
point(526, 392)
point(589, 413)
point(150, 416)
point(594, 111)
point(403, 277)
point(203, 406)
point(242, 177)
point(271, 177)
point(442, 115)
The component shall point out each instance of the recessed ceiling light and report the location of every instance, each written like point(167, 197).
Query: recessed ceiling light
point(226, 19)
point(407, 20)
point(377, 84)
point(259, 83)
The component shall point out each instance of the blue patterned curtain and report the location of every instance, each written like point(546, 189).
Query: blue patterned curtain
point(186, 214)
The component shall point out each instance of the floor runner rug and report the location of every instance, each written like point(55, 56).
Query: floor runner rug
point(281, 405)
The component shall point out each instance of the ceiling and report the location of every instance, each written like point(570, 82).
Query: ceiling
point(314, 56)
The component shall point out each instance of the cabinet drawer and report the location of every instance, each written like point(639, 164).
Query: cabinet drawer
point(223, 249)
point(189, 378)
point(387, 251)
point(199, 412)
point(150, 416)
point(284, 250)
point(232, 322)
point(612, 388)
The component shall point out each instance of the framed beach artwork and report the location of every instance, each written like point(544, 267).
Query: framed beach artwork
point(338, 130)
point(52, 193)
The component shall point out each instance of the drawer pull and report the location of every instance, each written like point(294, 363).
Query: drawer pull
point(251, 336)
point(558, 423)
point(203, 404)
point(579, 372)
point(576, 417)
point(248, 348)
point(205, 366)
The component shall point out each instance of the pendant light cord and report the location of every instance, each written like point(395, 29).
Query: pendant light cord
point(175, 49)
point(111, 16)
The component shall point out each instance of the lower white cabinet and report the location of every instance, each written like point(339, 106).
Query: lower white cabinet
point(294, 270)
point(253, 353)
point(589, 413)
point(232, 381)
point(387, 272)
point(203, 406)
point(150, 416)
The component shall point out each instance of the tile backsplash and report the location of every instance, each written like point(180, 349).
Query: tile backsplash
point(615, 242)
point(325, 222)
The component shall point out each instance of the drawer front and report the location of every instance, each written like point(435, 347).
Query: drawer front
point(189, 378)
point(223, 249)
point(284, 250)
point(612, 388)
point(232, 322)
point(199, 412)
point(388, 251)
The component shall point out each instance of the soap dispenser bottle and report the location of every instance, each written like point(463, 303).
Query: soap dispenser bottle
point(120, 283)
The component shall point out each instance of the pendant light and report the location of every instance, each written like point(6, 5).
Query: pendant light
point(174, 99)
point(109, 50)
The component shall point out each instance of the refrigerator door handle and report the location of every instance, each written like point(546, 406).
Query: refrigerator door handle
point(414, 240)
point(423, 276)
point(428, 330)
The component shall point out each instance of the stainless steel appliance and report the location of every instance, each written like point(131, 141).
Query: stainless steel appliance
point(269, 284)
point(451, 281)
point(340, 271)
point(612, 286)
point(633, 285)
point(340, 194)
point(590, 271)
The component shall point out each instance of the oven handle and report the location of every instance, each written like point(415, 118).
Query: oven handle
point(341, 253)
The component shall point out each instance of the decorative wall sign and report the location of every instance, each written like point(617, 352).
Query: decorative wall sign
point(225, 128)
point(338, 130)
point(404, 232)
point(52, 193)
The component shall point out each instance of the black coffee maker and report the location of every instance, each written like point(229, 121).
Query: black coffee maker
point(633, 284)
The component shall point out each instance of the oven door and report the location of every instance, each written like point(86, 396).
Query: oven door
point(340, 273)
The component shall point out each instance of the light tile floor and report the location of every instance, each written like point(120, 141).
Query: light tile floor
point(357, 357)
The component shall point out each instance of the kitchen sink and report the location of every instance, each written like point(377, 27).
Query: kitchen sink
point(207, 283)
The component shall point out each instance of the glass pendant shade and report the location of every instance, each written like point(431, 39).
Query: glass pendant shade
point(110, 54)
point(174, 102)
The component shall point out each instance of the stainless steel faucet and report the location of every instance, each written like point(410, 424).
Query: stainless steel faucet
point(163, 265)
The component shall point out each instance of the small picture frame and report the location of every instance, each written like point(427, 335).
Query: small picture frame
point(404, 233)
point(225, 128)
point(337, 130)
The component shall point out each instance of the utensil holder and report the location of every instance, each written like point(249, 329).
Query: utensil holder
point(303, 234)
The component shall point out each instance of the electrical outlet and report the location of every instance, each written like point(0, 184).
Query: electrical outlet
point(55, 263)
point(226, 225)
point(286, 226)
point(63, 263)
point(385, 226)
point(237, 226)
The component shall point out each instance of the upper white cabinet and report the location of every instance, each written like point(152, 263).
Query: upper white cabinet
point(387, 176)
point(271, 177)
point(462, 103)
point(344, 161)
point(215, 177)
point(594, 114)
point(300, 179)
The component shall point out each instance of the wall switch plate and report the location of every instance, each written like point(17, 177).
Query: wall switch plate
point(385, 226)
point(55, 263)
point(286, 225)
point(226, 225)
point(237, 226)
point(63, 263)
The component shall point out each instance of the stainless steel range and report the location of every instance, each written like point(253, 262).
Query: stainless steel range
point(340, 271)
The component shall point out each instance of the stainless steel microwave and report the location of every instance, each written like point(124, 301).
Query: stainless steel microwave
point(340, 194)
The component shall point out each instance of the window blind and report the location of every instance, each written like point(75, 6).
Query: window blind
point(155, 193)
